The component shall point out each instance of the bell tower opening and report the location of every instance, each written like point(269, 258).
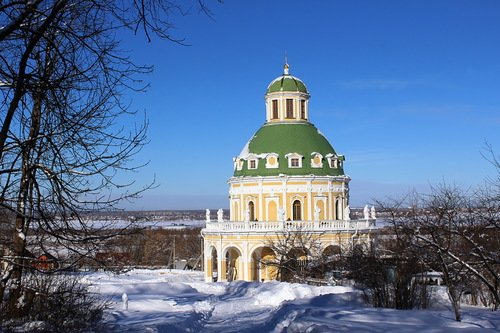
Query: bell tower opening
point(251, 211)
point(297, 210)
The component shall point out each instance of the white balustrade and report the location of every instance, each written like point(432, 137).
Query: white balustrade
point(331, 225)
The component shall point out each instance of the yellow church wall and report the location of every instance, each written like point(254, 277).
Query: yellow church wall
point(272, 214)
point(271, 183)
point(265, 211)
point(295, 183)
point(303, 197)
point(321, 205)
point(235, 211)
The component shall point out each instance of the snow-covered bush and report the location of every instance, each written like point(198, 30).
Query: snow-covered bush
point(57, 303)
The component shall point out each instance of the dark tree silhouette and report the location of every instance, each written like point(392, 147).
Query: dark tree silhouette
point(66, 130)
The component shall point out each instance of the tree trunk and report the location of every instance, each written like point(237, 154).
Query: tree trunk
point(455, 302)
point(15, 306)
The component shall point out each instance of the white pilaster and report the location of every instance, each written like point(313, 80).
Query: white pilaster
point(261, 204)
point(285, 203)
point(220, 276)
point(330, 202)
point(242, 209)
point(309, 201)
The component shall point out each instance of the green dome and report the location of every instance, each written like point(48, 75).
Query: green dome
point(283, 139)
point(287, 82)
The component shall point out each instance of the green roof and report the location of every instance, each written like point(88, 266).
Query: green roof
point(287, 83)
point(283, 139)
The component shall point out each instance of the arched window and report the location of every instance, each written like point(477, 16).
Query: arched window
point(297, 210)
point(338, 210)
point(251, 209)
point(289, 108)
point(275, 109)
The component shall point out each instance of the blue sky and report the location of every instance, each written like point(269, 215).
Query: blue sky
point(408, 91)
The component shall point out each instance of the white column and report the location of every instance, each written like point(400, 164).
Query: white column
point(219, 262)
point(309, 201)
point(343, 205)
point(296, 108)
point(208, 274)
point(281, 108)
point(285, 203)
point(268, 110)
point(330, 205)
point(261, 204)
point(245, 260)
point(242, 209)
point(231, 209)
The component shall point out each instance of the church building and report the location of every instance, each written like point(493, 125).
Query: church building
point(287, 178)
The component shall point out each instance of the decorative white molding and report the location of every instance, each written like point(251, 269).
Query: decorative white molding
point(315, 155)
point(252, 161)
point(281, 177)
point(238, 164)
point(320, 189)
point(332, 161)
point(294, 157)
point(275, 165)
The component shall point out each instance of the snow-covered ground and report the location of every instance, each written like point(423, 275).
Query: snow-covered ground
point(179, 301)
point(156, 224)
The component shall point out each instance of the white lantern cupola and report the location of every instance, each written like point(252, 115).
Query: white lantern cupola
point(287, 99)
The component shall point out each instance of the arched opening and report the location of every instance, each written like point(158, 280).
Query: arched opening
point(275, 109)
point(289, 109)
point(338, 210)
point(212, 265)
point(232, 270)
point(330, 268)
point(251, 211)
point(297, 210)
point(302, 109)
point(263, 265)
point(331, 251)
point(294, 267)
point(272, 211)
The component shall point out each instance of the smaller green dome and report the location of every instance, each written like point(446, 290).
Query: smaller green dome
point(287, 82)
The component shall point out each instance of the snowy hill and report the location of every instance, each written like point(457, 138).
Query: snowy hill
point(179, 301)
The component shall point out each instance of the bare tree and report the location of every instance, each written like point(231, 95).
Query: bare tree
point(453, 231)
point(388, 271)
point(63, 78)
point(296, 253)
point(454, 226)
